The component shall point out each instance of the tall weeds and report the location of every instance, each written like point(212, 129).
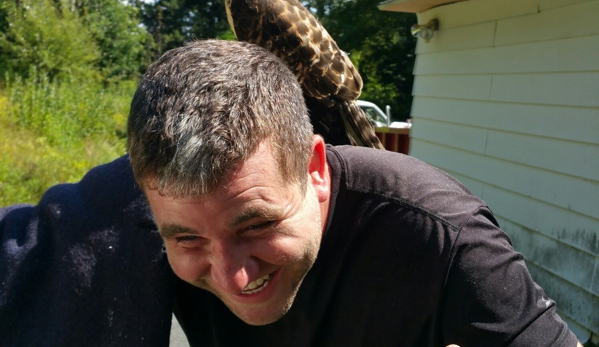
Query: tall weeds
point(54, 131)
point(67, 111)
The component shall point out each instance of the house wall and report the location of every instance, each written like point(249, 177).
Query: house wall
point(506, 99)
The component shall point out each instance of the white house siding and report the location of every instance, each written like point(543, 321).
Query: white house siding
point(506, 98)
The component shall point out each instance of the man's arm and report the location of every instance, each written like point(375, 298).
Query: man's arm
point(491, 296)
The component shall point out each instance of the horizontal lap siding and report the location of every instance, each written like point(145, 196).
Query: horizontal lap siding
point(506, 99)
point(556, 257)
point(475, 12)
point(545, 56)
point(564, 89)
point(548, 154)
point(565, 191)
point(578, 124)
point(549, 4)
point(577, 89)
point(557, 23)
point(574, 302)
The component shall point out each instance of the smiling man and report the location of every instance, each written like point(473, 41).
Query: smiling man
point(238, 186)
point(280, 240)
point(252, 240)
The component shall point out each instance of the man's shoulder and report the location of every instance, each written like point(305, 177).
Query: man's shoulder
point(108, 181)
point(87, 249)
point(106, 194)
point(405, 180)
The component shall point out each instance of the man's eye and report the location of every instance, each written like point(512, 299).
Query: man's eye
point(260, 226)
point(186, 239)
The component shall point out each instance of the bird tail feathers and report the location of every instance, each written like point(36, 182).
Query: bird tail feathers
point(358, 125)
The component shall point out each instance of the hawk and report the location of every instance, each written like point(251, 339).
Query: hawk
point(330, 82)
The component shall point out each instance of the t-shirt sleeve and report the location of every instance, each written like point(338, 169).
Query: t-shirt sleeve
point(490, 298)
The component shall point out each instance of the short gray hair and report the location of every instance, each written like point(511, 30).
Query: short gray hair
point(203, 109)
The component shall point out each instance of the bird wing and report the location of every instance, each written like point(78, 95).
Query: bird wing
point(288, 30)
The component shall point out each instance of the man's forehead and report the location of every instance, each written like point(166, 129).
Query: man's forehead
point(261, 164)
point(262, 161)
point(267, 212)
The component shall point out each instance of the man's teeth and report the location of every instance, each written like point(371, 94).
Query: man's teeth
point(257, 285)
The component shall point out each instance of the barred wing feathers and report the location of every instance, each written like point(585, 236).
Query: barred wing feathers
point(290, 31)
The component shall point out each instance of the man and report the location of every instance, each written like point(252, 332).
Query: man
point(308, 244)
point(276, 239)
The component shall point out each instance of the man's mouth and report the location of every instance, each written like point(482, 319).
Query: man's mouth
point(257, 285)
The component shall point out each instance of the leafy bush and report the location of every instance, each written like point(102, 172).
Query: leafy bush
point(125, 45)
point(66, 69)
point(381, 47)
point(47, 37)
point(95, 39)
point(29, 165)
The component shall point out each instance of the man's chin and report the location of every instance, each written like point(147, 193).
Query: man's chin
point(262, 319)
point(263, 315)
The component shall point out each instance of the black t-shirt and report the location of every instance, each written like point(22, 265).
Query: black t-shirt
point(409, 258)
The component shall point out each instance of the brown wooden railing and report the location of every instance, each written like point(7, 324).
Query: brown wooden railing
point(396, 140)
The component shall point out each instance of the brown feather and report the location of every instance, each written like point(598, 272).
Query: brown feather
point(290, 31)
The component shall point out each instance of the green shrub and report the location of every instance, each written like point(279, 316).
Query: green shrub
point(29, 165)
point(66, 111)
point(65, 89)
point(46, 35)
point(125, 45)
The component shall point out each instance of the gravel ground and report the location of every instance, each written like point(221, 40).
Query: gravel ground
point(177, 336)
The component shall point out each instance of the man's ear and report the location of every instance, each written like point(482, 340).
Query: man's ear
point(318, 169)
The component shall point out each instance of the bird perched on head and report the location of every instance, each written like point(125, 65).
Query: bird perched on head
point(330, 82)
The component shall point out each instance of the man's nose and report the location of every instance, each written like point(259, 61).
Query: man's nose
point(232, 267)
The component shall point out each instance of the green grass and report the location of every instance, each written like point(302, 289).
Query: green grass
point(54, 132)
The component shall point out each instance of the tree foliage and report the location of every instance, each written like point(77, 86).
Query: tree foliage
point(380, 45)
point(74, 39)
point(174, 22)
point(69, 70)
point(115, 40)
point(125, 46)
point(379, 42)
point(49, 38)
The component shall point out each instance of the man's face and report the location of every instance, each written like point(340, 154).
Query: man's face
point(253, 240)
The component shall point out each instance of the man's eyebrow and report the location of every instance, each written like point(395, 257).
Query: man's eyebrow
point(168, 231)
point(251, 213)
